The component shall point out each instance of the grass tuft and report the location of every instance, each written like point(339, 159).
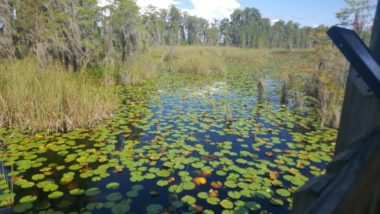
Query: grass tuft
point(33, 98)
point(197, 60)
point(142, 66)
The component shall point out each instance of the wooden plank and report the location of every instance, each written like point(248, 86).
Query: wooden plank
point(364, 190)
point(349, 191)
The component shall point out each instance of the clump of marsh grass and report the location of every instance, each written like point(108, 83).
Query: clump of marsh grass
point(142, 66)
point(34, 98)
point(197, 60)
point(241, 56)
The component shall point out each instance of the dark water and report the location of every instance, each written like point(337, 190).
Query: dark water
point(168, 132)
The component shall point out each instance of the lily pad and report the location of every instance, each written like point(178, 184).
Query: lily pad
point(92, 192)
point(188, 186)
point(226, 204)
point(55, 195)
point(189, 199)
point(38, 177)
point(154, 208)
point(253, 205)
point(162, 183)
point(283, 192)
point(116, 196)
point(77, 191)
point(28, 199)
point(112, 185)
point(234, 194)
point(213, 200)
point(163, 173)
point(203, 195)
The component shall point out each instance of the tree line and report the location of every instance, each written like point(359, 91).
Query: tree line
point(80, 33)
point(245, 28)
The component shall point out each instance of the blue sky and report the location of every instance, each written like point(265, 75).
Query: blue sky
point(305, 12)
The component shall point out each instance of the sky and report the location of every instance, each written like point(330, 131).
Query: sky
point(305, 12)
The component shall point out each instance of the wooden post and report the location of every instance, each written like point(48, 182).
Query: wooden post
point(360, 113)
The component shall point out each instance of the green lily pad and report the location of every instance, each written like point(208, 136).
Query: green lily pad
point(283, 192)
point(162, 183)
point(137, 187)
point(114, 196)
point(234, 194)
point(203, 195)
point(188, 199)
point(22, 207)
point(226, 204)
point(38, 177)
point(163, 173)
point(77, 191)
point(113, 185)
point(253, 205)
point(189, 186)
point(92, 191)
point(230, 184)
point(213, 200)
point(132, 193)
point(28, 199)
point(121, 208)
point(154, 208)
point(55, 195)
point(47, 186)
point(276, 202)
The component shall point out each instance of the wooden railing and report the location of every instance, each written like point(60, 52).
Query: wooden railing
point(352, 181)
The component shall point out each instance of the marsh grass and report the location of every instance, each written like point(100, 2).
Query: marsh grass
point(256, 57)
point(142, 66)
point(197, 60)
point(33, 98)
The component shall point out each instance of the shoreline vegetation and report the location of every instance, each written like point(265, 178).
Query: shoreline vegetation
point(48, 97)
point(59, 68)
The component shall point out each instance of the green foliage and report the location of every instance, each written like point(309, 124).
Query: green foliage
point(357, 14)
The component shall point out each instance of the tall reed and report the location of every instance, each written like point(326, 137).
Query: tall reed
point(34, 98)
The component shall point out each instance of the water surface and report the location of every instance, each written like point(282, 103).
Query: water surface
point(170, 149)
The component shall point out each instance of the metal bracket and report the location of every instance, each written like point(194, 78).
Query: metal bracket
point(359, 83)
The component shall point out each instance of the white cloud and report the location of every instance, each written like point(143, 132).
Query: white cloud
point(208, 9)
point(145, 3)
point(213, 9)
point(156, 3)
point(274, 20)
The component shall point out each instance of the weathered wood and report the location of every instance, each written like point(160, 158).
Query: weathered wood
point(309, 193)
point(351, 190)
point(360, 113)
point(364, 190)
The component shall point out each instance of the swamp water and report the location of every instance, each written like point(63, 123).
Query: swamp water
point(169, 149)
